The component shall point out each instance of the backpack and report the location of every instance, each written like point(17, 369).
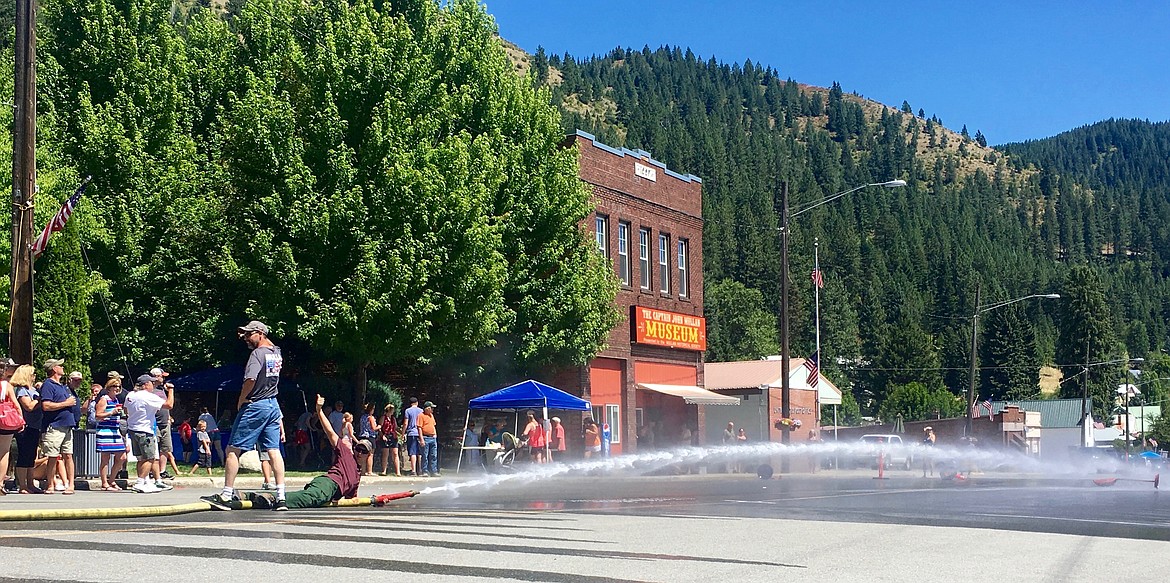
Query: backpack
point(91, 420)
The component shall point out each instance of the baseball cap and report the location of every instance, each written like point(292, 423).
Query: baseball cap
point(53, 362)
point(428, 404)
point(75, 375)
point(557, 419)
point(158, 372)
point(114, 375)
point(254, 326)
point(143, 379)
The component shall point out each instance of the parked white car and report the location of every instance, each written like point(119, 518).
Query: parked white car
point(897, 454)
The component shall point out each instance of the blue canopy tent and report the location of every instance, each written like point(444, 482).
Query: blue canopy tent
point(229, 377)
point(221, 378)
point(529, 394)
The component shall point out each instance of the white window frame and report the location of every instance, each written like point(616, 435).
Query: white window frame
point(644, 257)
point(613, 416)
point(602, 234)
point(624, 253)
point(664, 263)
point(684, 256)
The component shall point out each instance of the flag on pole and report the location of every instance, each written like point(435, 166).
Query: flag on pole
point(59, 220)
point(818, 278)
point(987, 405)
point(814, 372)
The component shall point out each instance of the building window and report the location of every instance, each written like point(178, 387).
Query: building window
point(664, 263)
point(683, 267)
point(603, 236)
point(599, 416)
point(624, 252)
point(644, 257)
point(613, 416)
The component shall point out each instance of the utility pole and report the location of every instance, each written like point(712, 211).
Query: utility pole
point(785, 355)
point(24, 179)
point(974, 370)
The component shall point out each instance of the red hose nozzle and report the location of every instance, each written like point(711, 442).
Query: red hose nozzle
point(382, 499)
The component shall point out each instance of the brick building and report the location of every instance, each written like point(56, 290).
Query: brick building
point(648, 223)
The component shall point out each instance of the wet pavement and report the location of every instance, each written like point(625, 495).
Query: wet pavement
point(822, 527)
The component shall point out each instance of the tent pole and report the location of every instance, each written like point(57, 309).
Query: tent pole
point(542, 422)
point(463, 441)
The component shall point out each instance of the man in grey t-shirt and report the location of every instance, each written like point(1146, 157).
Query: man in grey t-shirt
point(259, 417)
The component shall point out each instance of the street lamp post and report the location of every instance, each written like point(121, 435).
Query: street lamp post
point(785, 369)
point(975, 345)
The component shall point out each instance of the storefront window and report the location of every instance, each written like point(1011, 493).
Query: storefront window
point(613, 417)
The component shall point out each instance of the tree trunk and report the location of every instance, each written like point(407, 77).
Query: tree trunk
point(359, 387)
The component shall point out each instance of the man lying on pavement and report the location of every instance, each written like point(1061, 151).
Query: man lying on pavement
point(341, 481)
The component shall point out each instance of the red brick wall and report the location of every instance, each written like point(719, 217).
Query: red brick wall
point(670, 205)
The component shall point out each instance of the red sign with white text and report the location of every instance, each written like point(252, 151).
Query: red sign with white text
point(670, 329)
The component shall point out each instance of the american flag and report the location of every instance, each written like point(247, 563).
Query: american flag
point(987, 405)
point(58, 222)
point(814, 373)
point(818, 278)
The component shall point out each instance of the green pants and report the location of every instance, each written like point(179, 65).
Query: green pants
point(316, 494)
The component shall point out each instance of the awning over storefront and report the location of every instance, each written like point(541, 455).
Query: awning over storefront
point(691, 395)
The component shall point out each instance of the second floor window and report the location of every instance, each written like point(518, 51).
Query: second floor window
point(624, 253)
point(683, 267)
point(644, 257)
point(664, 263)
point(603, 236)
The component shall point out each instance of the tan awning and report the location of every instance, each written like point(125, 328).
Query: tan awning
point(691, 395)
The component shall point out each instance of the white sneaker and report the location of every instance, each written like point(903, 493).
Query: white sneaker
point(146, 488)
point(58, 485)
point(163, 486)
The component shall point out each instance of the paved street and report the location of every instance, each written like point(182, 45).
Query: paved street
point(827, 527)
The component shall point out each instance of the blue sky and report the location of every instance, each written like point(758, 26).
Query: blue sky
point(1013, 70)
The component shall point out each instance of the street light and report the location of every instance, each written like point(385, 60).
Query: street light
point(975, 344)
point(785, 214)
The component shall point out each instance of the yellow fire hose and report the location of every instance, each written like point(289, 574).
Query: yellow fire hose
point(148, 511)
point(97, 513)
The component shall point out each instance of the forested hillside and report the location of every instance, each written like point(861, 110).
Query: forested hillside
point(902, 265)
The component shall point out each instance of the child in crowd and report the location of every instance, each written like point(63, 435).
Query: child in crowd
point(347, 427)
point(203, 446)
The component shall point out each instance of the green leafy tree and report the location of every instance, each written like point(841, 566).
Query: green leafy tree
point(739, 325)
point(848, 412)
point(369, 178)
point(916, 402)
point(1160, 429)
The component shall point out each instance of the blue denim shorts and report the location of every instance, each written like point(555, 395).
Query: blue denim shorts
point(414, 445)
point(257, 426)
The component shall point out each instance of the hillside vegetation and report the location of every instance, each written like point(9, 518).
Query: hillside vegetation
point(902, 265)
